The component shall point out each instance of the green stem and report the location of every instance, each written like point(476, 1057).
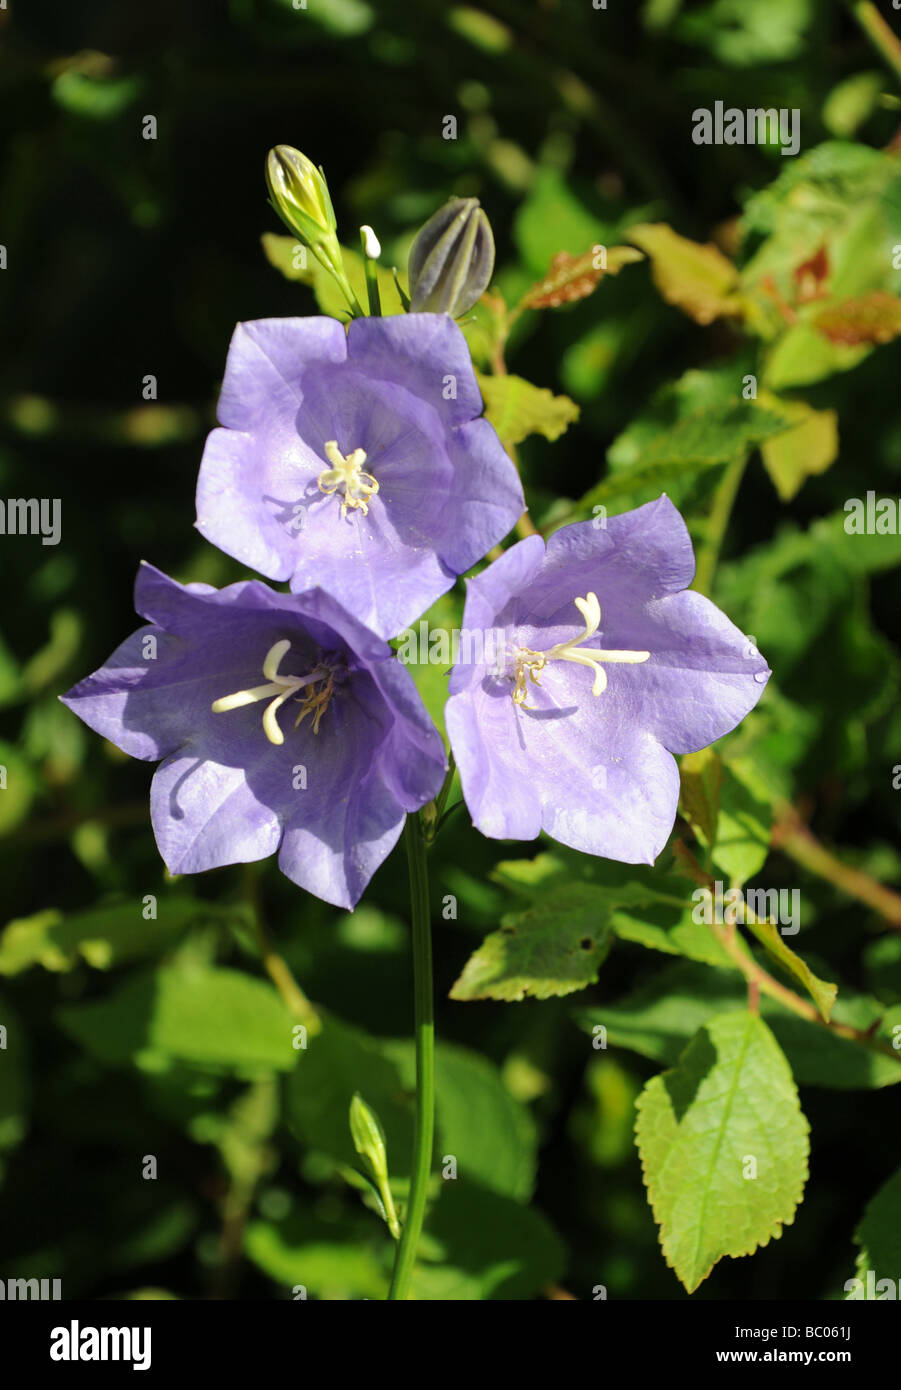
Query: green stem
point(425, 1061)
point(718, 523)
point(877, 30)
point(372, 279)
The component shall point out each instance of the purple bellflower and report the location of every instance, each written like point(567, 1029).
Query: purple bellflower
point(283, 724)
point(605, 665)
point(354, 461)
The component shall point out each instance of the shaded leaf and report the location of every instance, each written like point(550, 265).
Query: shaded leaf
point(552, 948)
point(209, 1017)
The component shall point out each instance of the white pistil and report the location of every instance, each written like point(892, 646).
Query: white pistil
point(530, 663)
point(281, 687)
point(347, 472)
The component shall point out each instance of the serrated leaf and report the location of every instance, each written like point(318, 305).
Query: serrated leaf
point(697, 278)
point(570, 278)
point(730, 1100)
point(517, 409)
point(553, 948)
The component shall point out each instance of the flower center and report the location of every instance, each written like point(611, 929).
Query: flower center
point(530, 664)
point(319, 686)
point(347, 472)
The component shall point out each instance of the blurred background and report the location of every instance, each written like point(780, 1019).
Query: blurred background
point(130, 257)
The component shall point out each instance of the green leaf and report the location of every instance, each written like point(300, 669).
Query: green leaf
point(638, 903)
point(208, 1017)
point(497, 1151)
point(723, 1146)
point(700, 777)
point(666, 445)
point(552, 219)
point(480, 1245)
point(18, 784)
point(802, 356)
point(517, 409)
point(804, 451)
point(490, 1134)
point(339, 1061)
point(552, 948)
point(745, 821)
point(658, 1019)
point(740, 35)
point(851, 102)
point(672, 930)
point(104, 936)
point(822, 992)
point(329, 1259)
point(879, 1237)
point(698, 279)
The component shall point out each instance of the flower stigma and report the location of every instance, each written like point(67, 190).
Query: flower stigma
point(319, 687)
point(529, 664)
point(347, 472)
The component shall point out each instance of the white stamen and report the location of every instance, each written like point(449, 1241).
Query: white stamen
point(371, 243)
point(531, 662)
point(282, 687)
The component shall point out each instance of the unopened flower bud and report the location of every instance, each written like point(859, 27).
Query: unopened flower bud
point(452, 259)
point(300, 194)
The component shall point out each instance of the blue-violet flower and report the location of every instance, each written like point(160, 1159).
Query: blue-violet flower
point(608, 666)
point(283, 724)
point(354, 461)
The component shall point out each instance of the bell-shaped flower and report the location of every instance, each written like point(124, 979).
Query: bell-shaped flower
point(355, 461)
point(283, 725)
point(586, 664)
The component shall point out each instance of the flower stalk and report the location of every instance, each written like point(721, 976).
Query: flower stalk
point(424, 1026)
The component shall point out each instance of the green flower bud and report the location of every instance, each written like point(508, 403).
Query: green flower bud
point(300, 195)
point(369, 1142)
point(452, 259)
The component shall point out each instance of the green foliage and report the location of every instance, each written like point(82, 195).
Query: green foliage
point(722, 1179)
point(217, 1018)
point(739, 350)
